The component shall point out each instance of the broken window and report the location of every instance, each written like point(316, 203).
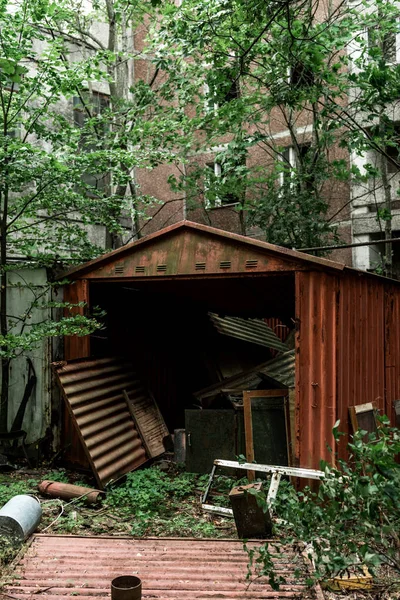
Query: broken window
point(294, 167)
point(392, 150)
point(221, 87)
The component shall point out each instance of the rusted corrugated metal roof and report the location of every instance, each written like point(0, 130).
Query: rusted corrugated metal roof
point(170, 569)
point(253, 331)
point(94, 393)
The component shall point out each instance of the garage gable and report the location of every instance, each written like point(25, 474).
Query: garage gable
point(192, 249)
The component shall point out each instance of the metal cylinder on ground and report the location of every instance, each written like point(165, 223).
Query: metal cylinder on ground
point(19, 517)
point(67, 491)
point(126, 587)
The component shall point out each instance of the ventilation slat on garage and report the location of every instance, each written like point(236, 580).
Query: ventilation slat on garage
point(113, 413)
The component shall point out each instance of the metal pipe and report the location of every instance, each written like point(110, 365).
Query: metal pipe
point(67, 491)
point(126, 587)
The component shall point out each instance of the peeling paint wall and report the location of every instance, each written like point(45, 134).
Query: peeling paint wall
point(23, 286)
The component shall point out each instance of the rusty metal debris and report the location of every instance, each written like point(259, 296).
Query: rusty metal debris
point(109, 426)
point(170, 569)
point(254, 331)
point(280, 370)
point(250, 519)
point(275, 471)
point(67, 491)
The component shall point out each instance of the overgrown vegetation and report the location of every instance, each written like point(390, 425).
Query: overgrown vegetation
point(303, 95)
point(352, 520)
point(150, 502)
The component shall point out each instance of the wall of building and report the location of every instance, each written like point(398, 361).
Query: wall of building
point(24, 285)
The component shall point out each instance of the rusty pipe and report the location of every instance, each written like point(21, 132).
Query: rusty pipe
point(126, 587)
point(67, 491)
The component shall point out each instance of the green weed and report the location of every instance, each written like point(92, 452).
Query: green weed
point(150, 491)
point(10, 488)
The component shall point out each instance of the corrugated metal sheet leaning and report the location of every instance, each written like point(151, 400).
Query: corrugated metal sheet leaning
point(170, 569)
point(98, 393)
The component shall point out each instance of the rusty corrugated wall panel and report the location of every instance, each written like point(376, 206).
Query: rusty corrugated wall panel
point(170, 569)
point(278, 327)
point(93, 390)
point(76, 346)
point(361, 347)
point(340, 356)
point(316, 317)
point(392, 350)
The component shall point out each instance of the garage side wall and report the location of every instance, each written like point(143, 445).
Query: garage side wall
point(360, 347)
point(316, 324)
point(392, 349)
point(347, 353)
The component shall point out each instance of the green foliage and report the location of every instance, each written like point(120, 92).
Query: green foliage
point(10, 488)
point(149, 491)
point(287, 65)
point(352, 519)
point(152, 500)
point(58, 475)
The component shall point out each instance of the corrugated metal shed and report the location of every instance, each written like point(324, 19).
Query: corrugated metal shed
point(253, 331)
point(60, 567)
point(347, 323)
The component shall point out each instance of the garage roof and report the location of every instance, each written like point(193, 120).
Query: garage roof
point(188, 248)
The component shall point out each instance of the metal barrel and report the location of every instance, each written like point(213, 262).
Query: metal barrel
point(180, 445)
point(20, 517)
point(67, 491)
point(126, 587)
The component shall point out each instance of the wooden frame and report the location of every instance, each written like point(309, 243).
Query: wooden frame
point(362, 409)
point(248, 422)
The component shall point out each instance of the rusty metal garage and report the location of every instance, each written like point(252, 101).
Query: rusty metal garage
point(159, 291)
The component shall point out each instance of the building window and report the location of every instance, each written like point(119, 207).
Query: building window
point(390, 146)
point(300, 75)
point(392, 150)
point(291, 171)
point(389, 46)
point(377, 252)
point(218, 189)
point(218, 92)
point(85, 108)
